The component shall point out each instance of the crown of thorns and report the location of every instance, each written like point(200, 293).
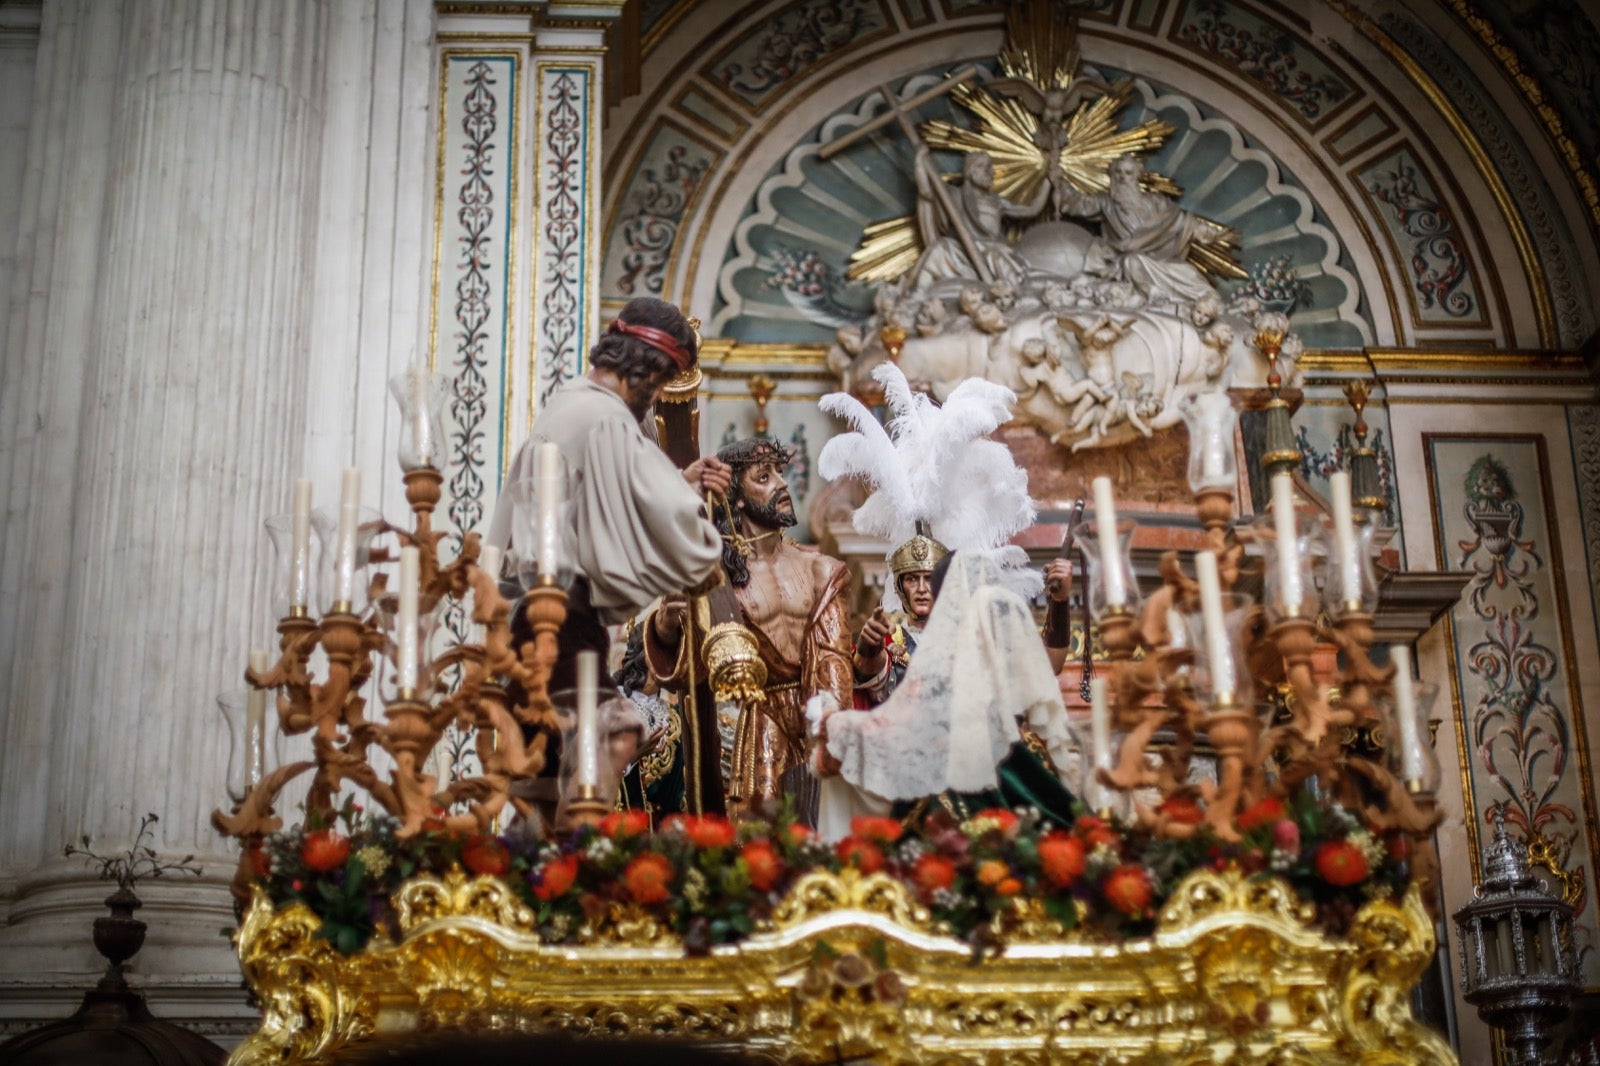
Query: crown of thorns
point(756, 450)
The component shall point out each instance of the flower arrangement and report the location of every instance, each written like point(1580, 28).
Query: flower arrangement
point(712, 881)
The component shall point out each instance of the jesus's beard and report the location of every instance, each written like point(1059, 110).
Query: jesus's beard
point(770, 515)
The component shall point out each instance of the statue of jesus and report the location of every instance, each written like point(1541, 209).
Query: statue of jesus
point(793, 601)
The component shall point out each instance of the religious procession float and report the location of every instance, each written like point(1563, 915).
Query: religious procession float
point(1223, 853)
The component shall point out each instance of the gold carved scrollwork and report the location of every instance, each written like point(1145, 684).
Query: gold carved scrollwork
point(853, 965)
point(822, 893)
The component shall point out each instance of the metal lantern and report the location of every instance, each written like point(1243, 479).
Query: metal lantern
point(1518, 964)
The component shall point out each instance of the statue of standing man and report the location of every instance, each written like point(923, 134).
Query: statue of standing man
point(793, 601)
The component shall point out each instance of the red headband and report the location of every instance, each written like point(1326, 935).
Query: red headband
point(660, 340)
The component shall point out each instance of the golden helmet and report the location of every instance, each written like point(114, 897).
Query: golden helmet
point(920, 553)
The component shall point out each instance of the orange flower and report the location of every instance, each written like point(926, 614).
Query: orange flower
point(1340, 863)
point(798, 834)
point(648, 877)
point(991, 819)
point(1262, 812)
point(620, 825)
point(763, 863)
point(1008, 887)
point(1128, 889)
point(324, 850)
point(1095, 832)
point(486, 855)
point(555, 877)
point(1182, 809)
point(704, 831)
point(878, 830)
point(864, 855)
point(1061, 856)
point(992, 871)
point(933, 872)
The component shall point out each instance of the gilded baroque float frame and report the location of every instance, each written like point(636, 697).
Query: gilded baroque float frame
point(1235, 972)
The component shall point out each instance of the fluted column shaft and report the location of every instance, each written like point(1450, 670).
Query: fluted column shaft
point(145, 574)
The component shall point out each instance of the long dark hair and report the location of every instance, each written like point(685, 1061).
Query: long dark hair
point(741, 456)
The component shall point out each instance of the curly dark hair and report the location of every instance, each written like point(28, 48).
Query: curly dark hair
point(741, 456)
point(630, 358)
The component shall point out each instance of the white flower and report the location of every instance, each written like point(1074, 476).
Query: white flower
point(600, 848)
point(373, 860)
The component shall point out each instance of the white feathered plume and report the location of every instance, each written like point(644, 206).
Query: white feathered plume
point(935, 464)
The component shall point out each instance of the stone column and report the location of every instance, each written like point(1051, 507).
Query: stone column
point(158, 348)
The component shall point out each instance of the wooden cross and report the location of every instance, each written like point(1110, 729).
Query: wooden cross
point(901, 111)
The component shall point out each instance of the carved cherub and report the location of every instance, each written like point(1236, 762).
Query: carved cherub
point(1218, 340)
point(985, 315)
point(1134, 403)
point(931, 318)
point(1094, 347)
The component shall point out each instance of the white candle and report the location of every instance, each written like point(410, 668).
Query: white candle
point(1105, 518)
point(1346, 548)
point(1219, 654)
point(421, 420)
point(1290, 591)
point(344, 559)
point(1405, 713)
point(1213, 458)
point(300, 549)
point(547, 486)
point(1099, 723)
point(588, 720)
point(255, 723)
point(406, 646)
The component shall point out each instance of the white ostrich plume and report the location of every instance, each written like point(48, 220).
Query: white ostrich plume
point(935, 464)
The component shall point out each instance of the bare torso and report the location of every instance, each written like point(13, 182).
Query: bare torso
point(782, 593)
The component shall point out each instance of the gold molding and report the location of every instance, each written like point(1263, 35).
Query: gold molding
point(1233, 960)
point(1538, 287)
point(1511, 62)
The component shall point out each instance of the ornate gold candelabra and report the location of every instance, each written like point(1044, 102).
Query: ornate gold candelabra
point(486, 672)
point(1257, 758)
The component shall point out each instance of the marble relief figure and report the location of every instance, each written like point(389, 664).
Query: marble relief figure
point(1056, 263)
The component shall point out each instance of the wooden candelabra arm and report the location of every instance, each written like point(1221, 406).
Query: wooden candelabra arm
point(254, 817)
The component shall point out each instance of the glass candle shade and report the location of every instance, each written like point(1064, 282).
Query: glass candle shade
point(1213, 423)
point(298, 562)
point(621, 731)
point(1082, 777)
point(536, 548)
point(255, 744)
point(1408, 743)
point(1349, 583)
point(1289, 584)
point(1112, 583)
point(369, 524)
point(421, 396)
point(1221, 673)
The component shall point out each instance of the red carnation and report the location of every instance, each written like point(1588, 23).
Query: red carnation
point(763, 863)
point(620, 825)
point(260, 862)
point(648, 877)
point(324, 850)
point(555, 878)
point(711, 831)
point(864, 855)
point(1128, 889)
point(933, 872)
point(1183, 810)
point(1340, 863)
point(1061, 856)
point(1260, 813)
point(876, 829)
point(486, 855)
